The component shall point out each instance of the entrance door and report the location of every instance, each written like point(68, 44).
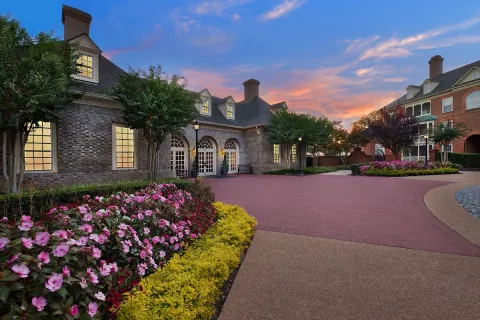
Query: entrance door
point(231, 155)
point(206, 158)
point(178, 154)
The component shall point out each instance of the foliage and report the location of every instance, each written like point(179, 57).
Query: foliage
point(79, 259)
point(364, 122)
point(306, 171)
point(38, 201)
point(340, 143)
point(158, 105)
point(343, 167)
point(356, 168)
point(408, 172)
point(466, 160)
point(35, 83)
point(188, 286)
point(446, 134)
point(395, 131)
point(357, 139)
point(225, 163)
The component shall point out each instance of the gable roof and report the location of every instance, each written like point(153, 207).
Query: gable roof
point(108, 77)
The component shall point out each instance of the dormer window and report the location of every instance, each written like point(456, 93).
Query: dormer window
point(427, 88)
point(85, 66)
point(206, 106)
point(230, 114)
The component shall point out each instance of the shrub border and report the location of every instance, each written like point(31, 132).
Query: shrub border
point(409, 172)
point(308, 171)
point(189, 286)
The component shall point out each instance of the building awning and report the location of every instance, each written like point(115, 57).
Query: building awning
point(426, 117)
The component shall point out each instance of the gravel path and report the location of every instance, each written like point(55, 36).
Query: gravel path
point(469, 199)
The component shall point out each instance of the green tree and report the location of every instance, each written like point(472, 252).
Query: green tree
point(340, 143)
point(35, 82)
point(158, 105)
point(357, 139)
point(445, 134)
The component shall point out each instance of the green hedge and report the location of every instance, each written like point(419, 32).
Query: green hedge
point(306, 171)
point(466, 160)
point(188, 286)
point(41, 200)
point(384, 172)
point(343, 167)
point(356, 168)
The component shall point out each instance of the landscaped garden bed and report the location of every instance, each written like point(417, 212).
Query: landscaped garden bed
point(306, 171)
point(78, 260)
point(406, 168)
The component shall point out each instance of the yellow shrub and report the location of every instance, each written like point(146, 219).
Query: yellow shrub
point(188, 285)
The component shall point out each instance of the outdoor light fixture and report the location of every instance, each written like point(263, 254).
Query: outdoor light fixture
point(300, 173)
point(425, 136)
point(196, 126)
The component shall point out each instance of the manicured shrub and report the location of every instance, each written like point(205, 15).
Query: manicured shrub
point(386, 172)
point(306, 171)
point(356, 168)
point(343, 167)
point(466, 160)
point(13, 206)
point(78, 259)
point(188, 286)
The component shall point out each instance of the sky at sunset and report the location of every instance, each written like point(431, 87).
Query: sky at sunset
point(338, 59)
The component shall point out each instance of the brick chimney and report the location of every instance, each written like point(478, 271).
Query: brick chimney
point(75, 22)
point(436, 66)
point(251, 89)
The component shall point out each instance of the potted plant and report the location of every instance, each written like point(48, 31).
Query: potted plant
point(224, 170)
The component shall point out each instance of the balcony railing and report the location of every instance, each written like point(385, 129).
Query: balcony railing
point(414, 158)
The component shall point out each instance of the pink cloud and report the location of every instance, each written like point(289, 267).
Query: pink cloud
point(147, 42)
point(282, 9)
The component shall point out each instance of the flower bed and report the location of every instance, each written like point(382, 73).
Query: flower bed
point(188, 286)
point(78, 260)
point(406, 168)
point(306, 171)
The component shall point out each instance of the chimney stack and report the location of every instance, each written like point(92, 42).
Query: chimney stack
point(436, 66)
point(251, 89)
point(75, 22)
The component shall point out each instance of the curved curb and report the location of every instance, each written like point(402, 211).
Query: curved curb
point(441, 202)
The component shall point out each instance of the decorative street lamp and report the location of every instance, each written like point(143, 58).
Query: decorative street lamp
point(196, 126)
point(426, 148)
point(300, 156)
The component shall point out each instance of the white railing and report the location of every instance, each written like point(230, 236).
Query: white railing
point(413, 158)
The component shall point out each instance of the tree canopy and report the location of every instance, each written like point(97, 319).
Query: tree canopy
point(444, 134)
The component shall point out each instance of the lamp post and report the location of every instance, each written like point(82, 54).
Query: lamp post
point(300, 156)
point(196, 126)
point(426, 148)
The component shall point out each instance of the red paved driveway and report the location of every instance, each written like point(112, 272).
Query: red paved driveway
point(385, 211)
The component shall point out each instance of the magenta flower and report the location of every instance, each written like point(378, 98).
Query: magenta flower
point(141, 269)
point(61, 250)
point(146, 230)
point(97, 253)
point(106, 232)
point(27, 243)
point(61, 234)
point(42, 238)
point(143, 254)
point(86, 228)
point(74, 310)
point(92, 275)
point(123, 226)
point(15, 257)
point(100, 296)
point(27, 223)
point(54, 282)
point(92, 309)
point(39, 303)
point(87, 217)
point(102, 238)
point(121, 233)
point(83, 209)
point(21, 270)
point(81, 241)
point(114, 267)
point(148, 213)
point(3, 242)
point(176, 246)
point(105, 269)
point(193, 235)
point(162, 223)
point(43, 257)
point(66, 271)
point(180, 235)
point(156, 239)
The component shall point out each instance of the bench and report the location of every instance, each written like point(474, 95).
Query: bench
point(181, 173)
point(245, 168)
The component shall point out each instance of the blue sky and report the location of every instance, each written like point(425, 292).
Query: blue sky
point(339, 59)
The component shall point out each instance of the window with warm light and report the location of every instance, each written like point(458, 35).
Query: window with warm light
point(206, 107)
point(276, 153)
point(229, 111)
point(38, 148)
point(124, 148)
point(85, 66)
point(294, 153)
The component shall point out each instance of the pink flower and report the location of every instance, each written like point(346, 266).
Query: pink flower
point(27, 223)
point(3, 242)
point(92, 309)
point(141, 269)
point(176, 246)
point(64, 208)
point(106, 232)
point(105, 269)
point(42, 238)
point(81, 241)
point(121, 233)
point(123, 226)
point(66, 271)
point(125, 248)
point(74, 310)
point(43, 257)
point(114, 267)
point(156, 239)
point(172, 240)
point(94, 237)
point(86, 228)
point(100, 296)
point(143, 254)
point(61, 250)
point(102, 238)
point(15, 257)
point(27, 243)
point(97, 253)
point(83, 209)
point(193, 236)
point(180, 235)
point(140, 216)
point(39, 303)
point(146, 230)
point(54, 282)
point(148, 213)
point(61, 234)
point(87, 217)
point(83, 283)
point(93, 276)
point(21, 270)
point(163, 223)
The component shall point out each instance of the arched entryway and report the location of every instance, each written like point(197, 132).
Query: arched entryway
point(232, 155)
point(207, 157)
point(472, 144)
point(178, 153)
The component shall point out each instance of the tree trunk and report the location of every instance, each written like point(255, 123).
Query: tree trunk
point(4, 161)
point(150, 159)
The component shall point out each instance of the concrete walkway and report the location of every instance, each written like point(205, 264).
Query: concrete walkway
point(345, 247)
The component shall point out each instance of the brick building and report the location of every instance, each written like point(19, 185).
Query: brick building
point(90, 142)
point(450, 97)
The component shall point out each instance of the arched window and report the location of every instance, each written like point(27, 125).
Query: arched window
point(230, 145)
point(177, 142)
point(473, 100)
point(205, 144)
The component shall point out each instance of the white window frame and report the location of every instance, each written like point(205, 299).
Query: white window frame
point(276, 152)
point(448, 123)
point(293, 153)
point(447, 102)
point(233, 111)
point(450, 146)
point(477, 99)
point(207, 101)
point(53, 137)
point(421, 108)
point(114, 148)
point(95, 68)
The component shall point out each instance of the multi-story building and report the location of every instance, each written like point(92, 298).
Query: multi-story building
point(448, 97)
point(90, 141)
